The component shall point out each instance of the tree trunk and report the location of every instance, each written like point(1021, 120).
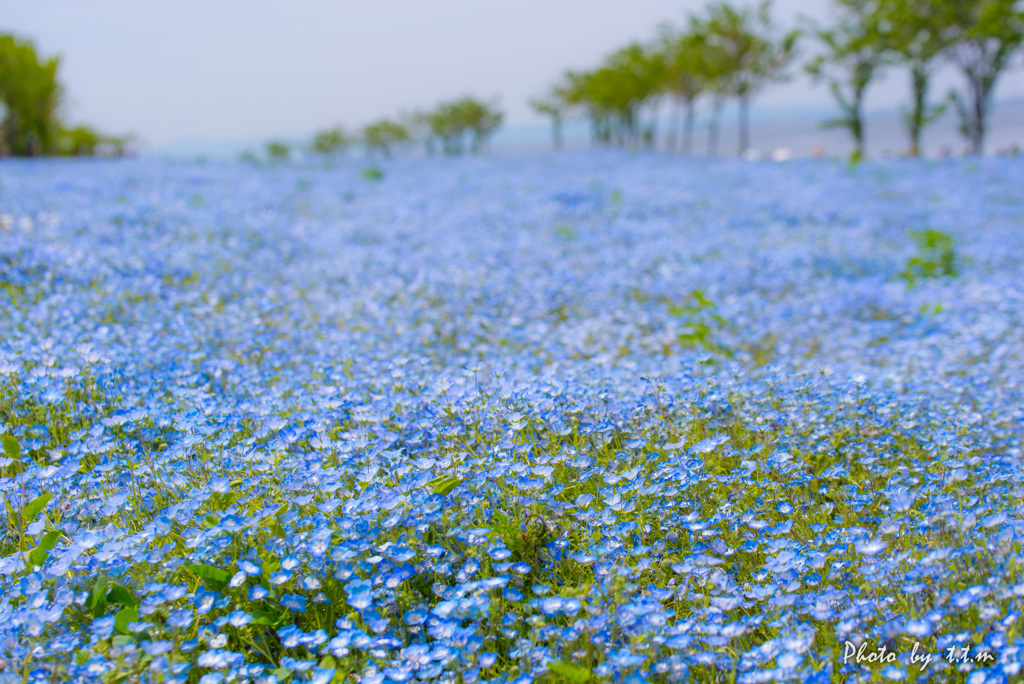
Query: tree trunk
point(979, 111)
point(688, 132)
point(651, 134)
point(716, 114)
point(857, 122)
point(919, 90)
point(673, 125)
point(744, 115)
point(556, 132)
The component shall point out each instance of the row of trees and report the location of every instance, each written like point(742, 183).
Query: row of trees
point(733, 52)
point(452, 127)
point(30, 104)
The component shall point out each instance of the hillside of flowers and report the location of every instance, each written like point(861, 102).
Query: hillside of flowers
point(599, 417)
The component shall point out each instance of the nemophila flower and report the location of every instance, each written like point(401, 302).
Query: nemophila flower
point(280, 577)
point(512, 594)
point(258, 592)
point(503, 367)
point(415, 616)
point(870, 547)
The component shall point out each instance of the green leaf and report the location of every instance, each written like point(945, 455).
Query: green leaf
point(574, 673)
point(123, 617)
point(11, 513)
point(263, 617)
point(35, 507)
point(444, 484)
point(328, 662)
point(98, 597)
point(282, 674)
point(221, 503)
point(37, 556)
point(121, 595)
point(11, 447)
point(208, 572)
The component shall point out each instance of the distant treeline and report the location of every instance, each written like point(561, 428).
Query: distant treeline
point(732, 52)
point(30, 104)
point(454, 127)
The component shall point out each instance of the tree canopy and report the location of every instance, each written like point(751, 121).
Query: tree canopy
point(31, 99)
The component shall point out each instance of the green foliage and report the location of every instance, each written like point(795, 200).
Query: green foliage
point(97, 601)
point(452, 122)
point(384, 135)
point(330, 141)
point(372, 173)
point(729, 51)
point(35, 507)
point(702, 322)
point(747, 55)
point(214, 577)
point(30, 100)
point(123, 617)
point(577, 674)
point(11, 447)
point(613, 95)
point(31, 97)
point(854, 50)
point(915, 34)
point(935, 258)
point(83, 141)
point(278, 151)
point(122, 596)
point(983, 38)
point(554, 108)
point(443, 484)
point(37, 556)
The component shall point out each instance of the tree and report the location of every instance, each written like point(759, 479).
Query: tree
point(554, 108)
point(854, 51)
point(686, 78)
point(916, 35)
point(482, 119)
point(418, 125)
point(984, 35)
point(447, 126)
point(383, 135)
point(613, 95)
point(718, 72)
point(83, 141)
point(751, 55)
point(451, 121)
point(278, 151)
point(330, 141)
point(31, 97)
point(643, 71)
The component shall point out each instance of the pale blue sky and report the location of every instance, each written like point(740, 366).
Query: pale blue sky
point(218, 70)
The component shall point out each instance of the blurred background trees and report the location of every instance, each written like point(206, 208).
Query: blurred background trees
point(383, 136)
point(731, 52)
point(30, 104)
point(981, 38)
point(330, 141)
point(455, 126)
point(852, 53)
point(727, 52)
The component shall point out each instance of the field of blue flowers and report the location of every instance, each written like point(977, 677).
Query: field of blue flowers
point(584, 418)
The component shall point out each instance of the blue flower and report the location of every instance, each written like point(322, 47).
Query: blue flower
point(294, 602)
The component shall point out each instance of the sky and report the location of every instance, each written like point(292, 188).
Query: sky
point(209, 71)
